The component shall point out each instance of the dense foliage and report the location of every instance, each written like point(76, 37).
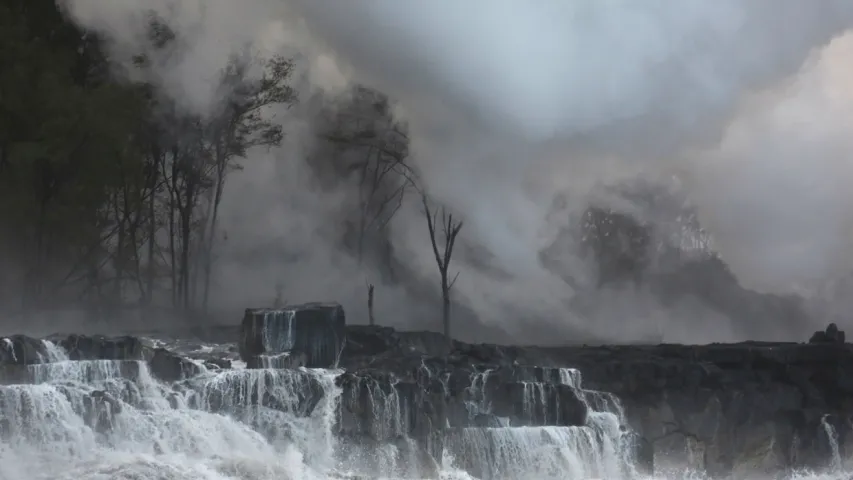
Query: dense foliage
point(109, 195)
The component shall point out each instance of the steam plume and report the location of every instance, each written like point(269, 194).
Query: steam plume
point(645, 83)
point(511, 103)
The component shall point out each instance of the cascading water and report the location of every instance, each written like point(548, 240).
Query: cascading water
point(114, 420)
point(832, 440)
point(110, 419)
point(504, 451)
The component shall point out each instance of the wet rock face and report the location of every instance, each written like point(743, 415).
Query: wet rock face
point(292, 359)
point(316, 329)
point(737, 407)
point(21, 350)
point(100, 409)
point(169, 367)
point(83, 347)
point(397, 391)
point(753, 406)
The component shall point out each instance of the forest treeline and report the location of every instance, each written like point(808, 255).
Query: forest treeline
point(110, 193)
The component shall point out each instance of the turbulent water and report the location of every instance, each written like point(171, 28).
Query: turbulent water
point(112, 420)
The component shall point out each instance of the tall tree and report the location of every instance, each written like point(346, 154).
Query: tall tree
point(243, 123)
point(61, 124)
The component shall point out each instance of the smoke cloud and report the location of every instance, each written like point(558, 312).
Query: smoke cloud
point(511, 104)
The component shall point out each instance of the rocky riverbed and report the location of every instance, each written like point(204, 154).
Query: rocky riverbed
point(407, 404)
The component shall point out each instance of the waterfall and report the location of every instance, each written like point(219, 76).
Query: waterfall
point(527, 446)
point(111, 419)
point(832, 439)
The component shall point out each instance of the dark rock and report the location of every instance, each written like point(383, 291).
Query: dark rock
point(316, 329)
point(424, 343)
point(733, 406)
point(732, 401)
point(100, 409)
point(22, 350)
point(369, 340)
point(169, 367)
point(641, 451)
point(487, 420)
point(98, 347)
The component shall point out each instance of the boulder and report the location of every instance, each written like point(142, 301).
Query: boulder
point(170, 367)
point(315, 329)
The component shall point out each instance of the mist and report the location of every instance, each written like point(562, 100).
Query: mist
point(510, 105)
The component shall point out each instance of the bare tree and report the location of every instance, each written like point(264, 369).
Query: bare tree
point(450, 229)
point(370, 304)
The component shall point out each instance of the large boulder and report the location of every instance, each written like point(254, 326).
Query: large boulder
point(170, 367)
point(317, 330)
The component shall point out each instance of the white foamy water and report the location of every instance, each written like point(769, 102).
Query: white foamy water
point(112, 420)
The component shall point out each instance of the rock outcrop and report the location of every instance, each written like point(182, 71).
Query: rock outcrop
point(728, 409)
point(724, 408)
point(316, 330)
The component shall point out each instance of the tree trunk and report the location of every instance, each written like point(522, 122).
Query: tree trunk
point(152, 231)
point(118, 260)
point(445, 309)
point(211, 236)
point(172, 258)
point(185, 256)
point(370, 304)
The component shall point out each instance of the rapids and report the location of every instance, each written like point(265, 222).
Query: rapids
point(113, 420)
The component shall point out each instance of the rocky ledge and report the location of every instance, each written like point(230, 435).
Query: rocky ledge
point(727, 409)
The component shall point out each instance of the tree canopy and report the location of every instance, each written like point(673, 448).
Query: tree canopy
point(109, 194)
